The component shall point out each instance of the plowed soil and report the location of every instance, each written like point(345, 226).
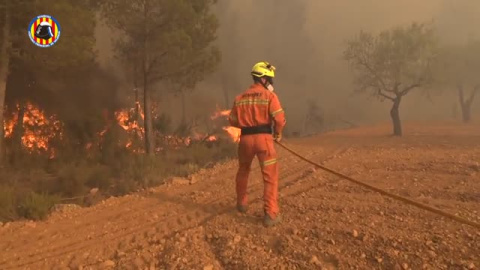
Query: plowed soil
point(329, 223)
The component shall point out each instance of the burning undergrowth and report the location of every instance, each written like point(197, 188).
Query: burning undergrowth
point(233, 132)
point(38, 130)
point(110, 159)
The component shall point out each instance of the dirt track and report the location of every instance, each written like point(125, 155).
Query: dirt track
point(328, 223)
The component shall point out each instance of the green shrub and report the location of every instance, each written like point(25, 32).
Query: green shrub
point(37, 206)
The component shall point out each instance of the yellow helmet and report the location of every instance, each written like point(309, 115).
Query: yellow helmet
point(263, 68)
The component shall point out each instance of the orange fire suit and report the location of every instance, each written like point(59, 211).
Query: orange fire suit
point(255, 111)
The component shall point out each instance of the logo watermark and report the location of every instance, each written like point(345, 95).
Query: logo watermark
point(44, 31)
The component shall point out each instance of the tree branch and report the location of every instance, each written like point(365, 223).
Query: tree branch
point(408, 88)
point(155, 61)
point(375, 75)
point(359, 55)
point(379, 92)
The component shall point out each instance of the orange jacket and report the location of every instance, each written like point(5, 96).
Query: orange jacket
point(255, 107)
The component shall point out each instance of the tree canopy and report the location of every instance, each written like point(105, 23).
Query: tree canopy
point(172, 37)
point(163, 40)
point(393, 63)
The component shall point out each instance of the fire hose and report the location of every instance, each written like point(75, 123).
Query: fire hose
point(383, 192)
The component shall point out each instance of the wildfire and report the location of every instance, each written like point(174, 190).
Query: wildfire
point(9, 124)
point(39, 130)
point(124, 120)
point(211, 138)
point(128, 120)
point(220, 113)
point(233, 132)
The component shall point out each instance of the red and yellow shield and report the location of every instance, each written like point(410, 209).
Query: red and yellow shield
point(49, 28)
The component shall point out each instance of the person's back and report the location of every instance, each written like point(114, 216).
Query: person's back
point(258, 107)
point(259, 115)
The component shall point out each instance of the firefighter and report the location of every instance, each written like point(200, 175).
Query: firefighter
point(259, 115)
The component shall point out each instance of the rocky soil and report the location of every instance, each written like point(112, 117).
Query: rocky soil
point(329, 223)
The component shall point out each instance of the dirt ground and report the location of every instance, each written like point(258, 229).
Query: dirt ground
point(329, 223)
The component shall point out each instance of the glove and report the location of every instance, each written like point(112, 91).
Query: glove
point(277, 137)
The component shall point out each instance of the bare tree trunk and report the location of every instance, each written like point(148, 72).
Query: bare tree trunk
point(19, 127)
point(395, 114)
point(149, 138)
point(466, 115)
point(137, 106)
point(148, 124)
point(463, 106)
point(4, 70)
point(135, 90)
point(15, 146)
point(466, 104)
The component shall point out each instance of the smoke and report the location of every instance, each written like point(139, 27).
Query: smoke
point(305, 40)
point(458, 21)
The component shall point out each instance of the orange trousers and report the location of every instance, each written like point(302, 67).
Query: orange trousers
point(262, 146)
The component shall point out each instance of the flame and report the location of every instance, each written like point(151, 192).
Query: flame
point(124, 118)
point(48, 128)
point(220, 113)
point(9, 125)
point(101, 133)
point(139, 107)
point(39, 130)
point(233, 132)
point(136, 132)
point(52, 153)
point(211, 138)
